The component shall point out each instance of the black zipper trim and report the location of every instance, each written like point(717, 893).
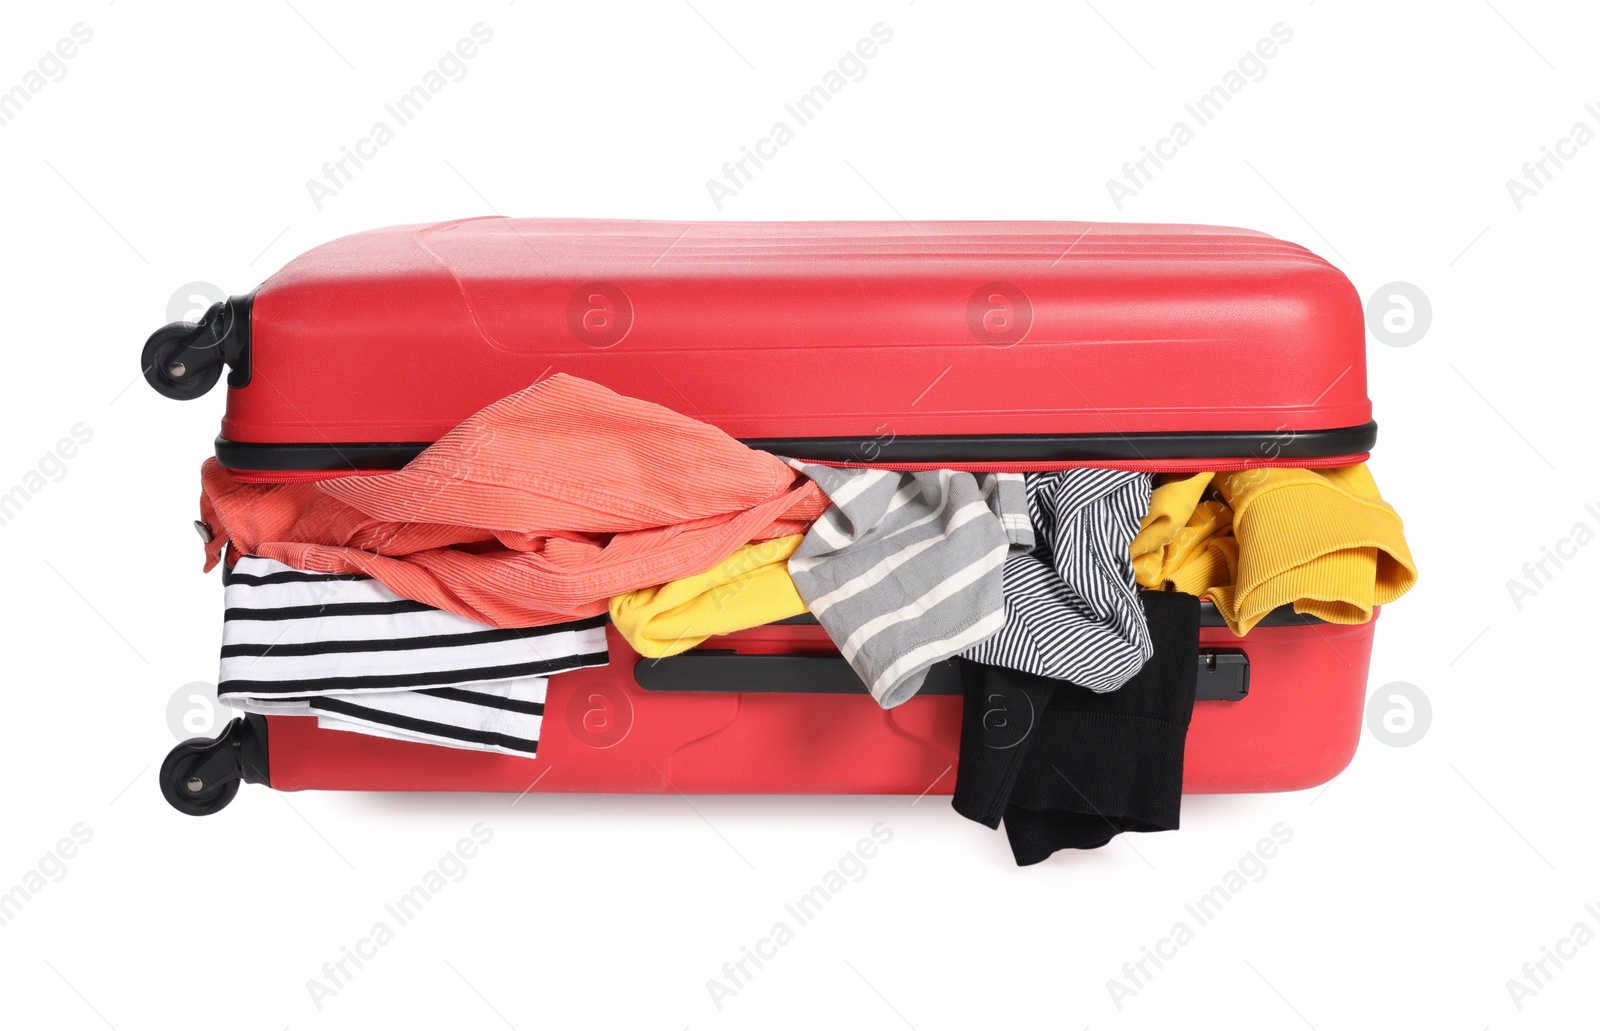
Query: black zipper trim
point(1283, 615)
point(1263, 445)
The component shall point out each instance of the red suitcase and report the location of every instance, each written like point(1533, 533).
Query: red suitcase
point(1008, 346)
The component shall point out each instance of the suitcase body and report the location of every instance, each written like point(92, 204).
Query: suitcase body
point(980, 346)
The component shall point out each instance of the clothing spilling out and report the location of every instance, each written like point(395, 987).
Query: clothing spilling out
point(566, 526)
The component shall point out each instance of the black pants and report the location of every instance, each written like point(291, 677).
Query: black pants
point(1065, 767)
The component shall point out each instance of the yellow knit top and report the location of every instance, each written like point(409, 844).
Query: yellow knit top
point(1250, 541)
point(748, 589)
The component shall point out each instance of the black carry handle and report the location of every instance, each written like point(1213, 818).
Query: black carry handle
point(1224, 675)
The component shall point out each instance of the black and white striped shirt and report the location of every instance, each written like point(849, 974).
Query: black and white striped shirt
point(346, 649)
point(1072, 605)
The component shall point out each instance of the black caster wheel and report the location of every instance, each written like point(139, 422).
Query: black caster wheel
point(171, 377)
point(201, 776)
point(184, 784)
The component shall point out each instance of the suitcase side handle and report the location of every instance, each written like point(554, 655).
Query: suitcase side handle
point(1223, 674)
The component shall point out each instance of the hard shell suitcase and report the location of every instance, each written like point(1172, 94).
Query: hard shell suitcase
point(1005, 346)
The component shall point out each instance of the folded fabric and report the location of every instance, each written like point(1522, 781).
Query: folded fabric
point(903, 570)
point(1071, 605)
point(1066, 767)
point(750, 588)
point(501, 717)
point(1251, 541)
point(346, 648)
point(539, 508)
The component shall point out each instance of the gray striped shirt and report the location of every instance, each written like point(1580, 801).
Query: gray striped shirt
point(904, 569)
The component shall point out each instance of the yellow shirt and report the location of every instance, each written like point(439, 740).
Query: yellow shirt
point(1250, 541)
point(750, 588)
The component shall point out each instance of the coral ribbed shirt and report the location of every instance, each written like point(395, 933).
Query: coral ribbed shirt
point(535, 510)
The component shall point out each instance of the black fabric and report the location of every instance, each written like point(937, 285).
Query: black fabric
point(1066, 767)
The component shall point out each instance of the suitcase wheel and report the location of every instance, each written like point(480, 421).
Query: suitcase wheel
point(200, 776)
point(183, 360)
point(168, 373)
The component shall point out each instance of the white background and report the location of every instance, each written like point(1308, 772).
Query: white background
point(177, 148)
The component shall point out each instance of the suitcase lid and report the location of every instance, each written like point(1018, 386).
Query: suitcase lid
point(977, 344)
